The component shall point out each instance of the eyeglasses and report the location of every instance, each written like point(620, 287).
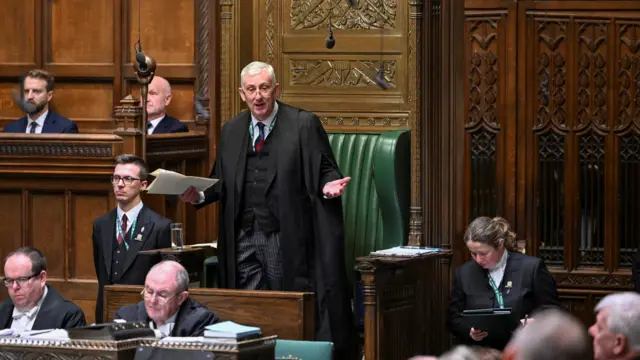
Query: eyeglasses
point(161, 297)
point(21, 281)
point(128, 180)
point(265, 91)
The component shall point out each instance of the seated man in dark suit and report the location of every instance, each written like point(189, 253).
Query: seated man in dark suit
point(158, 98)
point(167, 304)
point(37, 91)
point(120, 234)
point(32, 304)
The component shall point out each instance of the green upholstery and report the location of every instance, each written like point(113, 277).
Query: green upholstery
point(376, 202)
point(304, 350)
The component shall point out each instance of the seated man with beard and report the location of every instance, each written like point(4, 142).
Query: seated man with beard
point(37, 92)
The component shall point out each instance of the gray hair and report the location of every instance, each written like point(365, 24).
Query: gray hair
point(256, 67)
point(460, 352)
point(182, 276)
point(553, 335)
point(623, 310)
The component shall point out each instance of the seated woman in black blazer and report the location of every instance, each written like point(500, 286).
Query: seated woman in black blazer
point(498, 277)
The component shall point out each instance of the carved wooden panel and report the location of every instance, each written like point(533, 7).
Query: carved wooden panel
point(81, 34)
point(18, 44)
point(166, 30)
point(84, 208)
point(48, 229)
point(86, 103)
point(11, 226)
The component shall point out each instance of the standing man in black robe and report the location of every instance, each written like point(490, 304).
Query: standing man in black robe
point(281, 223)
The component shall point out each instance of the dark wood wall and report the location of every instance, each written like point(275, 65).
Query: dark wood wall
point(88, 46)
point(551, 135)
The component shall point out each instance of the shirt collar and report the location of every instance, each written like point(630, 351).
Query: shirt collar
point(502, 263)
point(267, 122)
point(131, 214)
point(40, 119)
point(33, 311)
point(155, 122)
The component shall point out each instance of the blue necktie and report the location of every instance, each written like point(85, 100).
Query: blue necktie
point(260, 139)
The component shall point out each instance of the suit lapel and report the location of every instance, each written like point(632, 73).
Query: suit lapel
point(108, 234)
point(7, 313)
point(143, 221)
point(511, 276)
point(283, 129)
point(49, 123)
point(163, 126)
point(23, 124)
point(48, 305)
point(238, 156)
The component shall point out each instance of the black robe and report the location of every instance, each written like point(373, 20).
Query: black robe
point(311, 227)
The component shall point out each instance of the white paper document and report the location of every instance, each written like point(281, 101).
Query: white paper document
point(406, 251)
point(173, 183)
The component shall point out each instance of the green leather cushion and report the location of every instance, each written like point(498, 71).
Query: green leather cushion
point(304, 350)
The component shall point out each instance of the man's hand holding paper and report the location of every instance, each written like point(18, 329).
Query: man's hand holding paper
point(173, 183)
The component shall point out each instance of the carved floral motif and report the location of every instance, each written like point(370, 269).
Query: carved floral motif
point(344, 73)
point(366, 14)
point(551, 76)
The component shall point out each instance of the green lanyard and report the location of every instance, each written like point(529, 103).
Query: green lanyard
point(133, 228)
point(496, 291)
point(251, 126)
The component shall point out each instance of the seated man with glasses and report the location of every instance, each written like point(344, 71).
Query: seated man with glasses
point(167, 304)
point(119, 235)
point(32, 304)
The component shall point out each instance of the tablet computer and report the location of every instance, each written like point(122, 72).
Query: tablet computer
point(493, 321)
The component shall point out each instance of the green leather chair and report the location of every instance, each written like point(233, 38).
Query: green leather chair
point(376, 202)
point(304, 350)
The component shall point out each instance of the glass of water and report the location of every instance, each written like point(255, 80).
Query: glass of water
point(176, 235)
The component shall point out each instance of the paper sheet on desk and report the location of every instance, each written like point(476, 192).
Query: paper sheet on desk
point(50, 334)
point(406, 251)
point(173, 183)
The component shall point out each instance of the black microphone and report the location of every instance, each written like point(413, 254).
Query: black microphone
point(142, 61)
point(380, 80)
point(331, 41)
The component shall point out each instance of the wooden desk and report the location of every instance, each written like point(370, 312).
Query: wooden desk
point(255, 349)
point(289, 315)
point(17, 349)
point(14, 349)
point(401, 305)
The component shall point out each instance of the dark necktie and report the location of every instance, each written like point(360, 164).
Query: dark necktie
point(123, 228)
point(260, 139)
point(33, 127)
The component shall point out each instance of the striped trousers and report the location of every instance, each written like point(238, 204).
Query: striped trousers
point(258, 260)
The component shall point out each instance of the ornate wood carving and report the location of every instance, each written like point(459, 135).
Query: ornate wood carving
point(616, 281)
point(414, 94)
point(551, 76)
point(227, 69)
point(340, 73)
point(592, 75)
point(307, 14)
point(270, 33)
point(347, 121)
point(629, 76)
point(203, 16)
point(56, 149)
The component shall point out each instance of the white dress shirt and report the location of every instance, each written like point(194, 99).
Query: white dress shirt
point(23, 320)
point(39, 120)
point(131, 216)
point(167, 327)
point(267, 123)
point(154, 124)
point(497, 272)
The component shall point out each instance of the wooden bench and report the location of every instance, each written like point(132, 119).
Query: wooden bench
point(289, 315)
